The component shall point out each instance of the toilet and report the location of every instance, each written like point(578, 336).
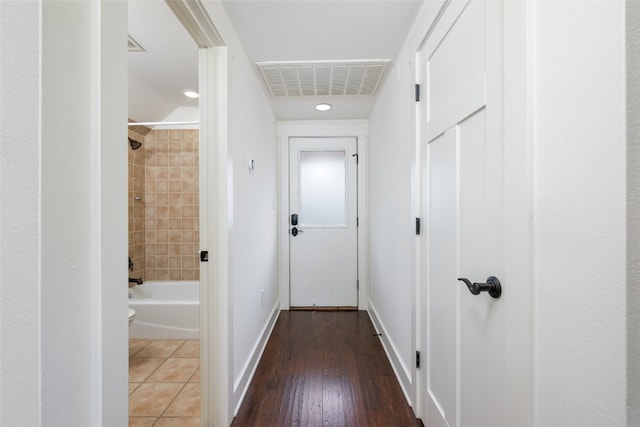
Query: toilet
point(132, 315)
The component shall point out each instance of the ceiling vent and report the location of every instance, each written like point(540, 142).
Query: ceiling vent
point(134, 46)
point(323, 78)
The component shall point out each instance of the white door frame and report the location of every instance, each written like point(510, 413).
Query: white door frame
point(518, 96)
point(318, 128)
point(215, 335)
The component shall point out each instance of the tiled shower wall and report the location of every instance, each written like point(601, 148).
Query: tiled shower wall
point(136, 208)
point(164, 222)
point(171, 205)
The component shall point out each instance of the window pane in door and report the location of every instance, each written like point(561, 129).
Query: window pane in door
point(323, 188)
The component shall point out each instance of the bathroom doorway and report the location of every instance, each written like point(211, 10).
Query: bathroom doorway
point(164, 223)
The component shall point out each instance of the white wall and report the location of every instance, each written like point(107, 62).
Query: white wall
point(58, 244)
point(253, 202)
point(254, 237)
point(633, 212)
point(578, 140)
point(19, 214)
point(391, 168)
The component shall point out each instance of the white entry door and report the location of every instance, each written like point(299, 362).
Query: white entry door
point(469, 376)
point(323, 236)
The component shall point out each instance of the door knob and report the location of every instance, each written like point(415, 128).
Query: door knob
point(295, 231)
point(492, 286)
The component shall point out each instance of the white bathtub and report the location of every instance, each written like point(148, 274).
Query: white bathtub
point(166, 310)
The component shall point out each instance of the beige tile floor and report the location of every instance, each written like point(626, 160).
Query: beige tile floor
point(164, 383)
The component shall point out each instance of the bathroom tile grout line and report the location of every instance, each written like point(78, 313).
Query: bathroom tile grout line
point(166, 358)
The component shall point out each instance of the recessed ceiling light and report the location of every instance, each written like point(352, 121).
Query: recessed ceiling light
point(323, 107)
point(191, 94)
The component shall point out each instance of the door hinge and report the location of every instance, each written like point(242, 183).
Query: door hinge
point(204, 256)
point(417, 92)
point(357, 158)
point(418, 226)
point(417, 359)
point(357, 285)
point(357, 221)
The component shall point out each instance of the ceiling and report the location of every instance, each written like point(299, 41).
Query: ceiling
point(301, 31)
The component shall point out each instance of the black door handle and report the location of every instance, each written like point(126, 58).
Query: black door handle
point(492, 286)
point(295, 231)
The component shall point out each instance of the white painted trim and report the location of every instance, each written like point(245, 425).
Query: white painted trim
point(317, 128)
point(214, 289)
point(197, 22)
point(249, 369)
point(109, 211)
point(403, 373)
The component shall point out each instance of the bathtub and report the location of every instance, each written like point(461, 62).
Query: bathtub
point(166, 310)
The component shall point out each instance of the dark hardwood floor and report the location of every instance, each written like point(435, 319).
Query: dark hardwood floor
point(324, 369)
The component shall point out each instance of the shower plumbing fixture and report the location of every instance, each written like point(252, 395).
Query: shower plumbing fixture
point(136, 280)
point(134, 144)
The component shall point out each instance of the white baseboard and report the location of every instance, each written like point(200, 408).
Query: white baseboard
point(402, 373)
point(241, 385)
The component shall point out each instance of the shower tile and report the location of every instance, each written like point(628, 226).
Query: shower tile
point(188, 211)
point(187, 403)
point(161, 249)
point(162, 199)
point(188, 199)
point(174, 224)
point(187, 146)
point(149, 160)
point(151, 399)
point(162, 160)
point(138, 171)
point(174, 236)
point(175, 370)
point(175, 135)
point(187, 173)
point(189, 135)
point(162, 261)
point(150, 261)
point(189, 262)
point(188, 236)
point(174, 173)
point(138, 224)
point(175, 249)
point(175, 211)
point(141, 367)
point(188, 274)
point(163, 186)
point(188, 185)
point(175, 186)
point(163, 212)
point(175, 274)
point(162, 236)
point(162, 224)
point(175, 262)
point(149, 212)
point(149, 224)
point(175, 147)
point(187, 250)
point(138, 253)
point(190, 348)
point(178, 422)
point(188, 160)
point(161, 348)
point(162, 274)
point(188, 223)
point(160, 134)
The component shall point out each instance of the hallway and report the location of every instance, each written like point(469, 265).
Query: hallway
point(324, 368)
